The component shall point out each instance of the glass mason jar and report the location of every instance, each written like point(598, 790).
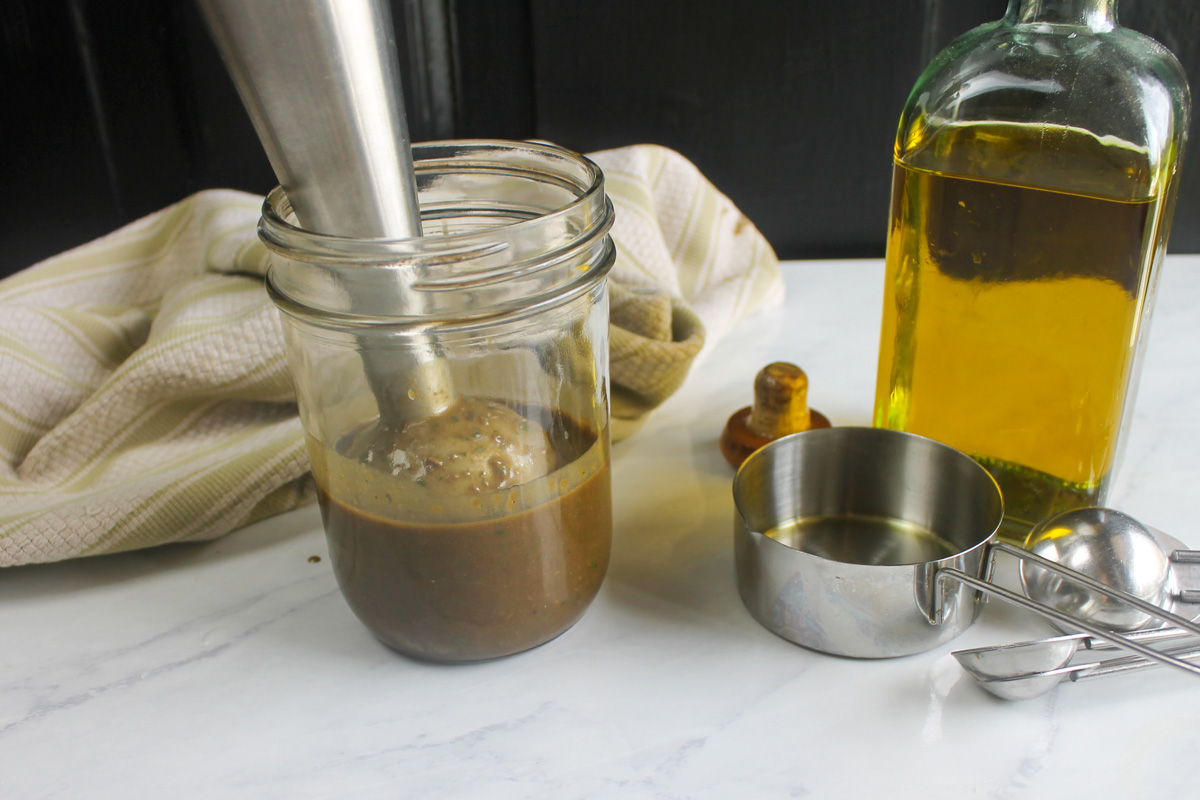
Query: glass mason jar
point(1033, 187)
point(454, 394)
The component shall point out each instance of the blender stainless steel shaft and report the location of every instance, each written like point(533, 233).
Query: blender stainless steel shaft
point(321, 82)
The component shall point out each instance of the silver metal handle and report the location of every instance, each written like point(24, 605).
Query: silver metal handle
point(1186, 557)
point(949, 573)
point(1117, 666)
point(321, 82)
point(1088, 642)
point(320, 79)
point(1145, 606)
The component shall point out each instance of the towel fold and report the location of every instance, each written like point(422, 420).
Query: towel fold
point(146, 394)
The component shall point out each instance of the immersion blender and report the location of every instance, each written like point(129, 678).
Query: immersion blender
point(321, 82)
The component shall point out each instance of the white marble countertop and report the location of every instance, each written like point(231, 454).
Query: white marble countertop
point(234, 669)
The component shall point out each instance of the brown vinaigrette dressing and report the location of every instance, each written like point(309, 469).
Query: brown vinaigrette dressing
point(453, 576)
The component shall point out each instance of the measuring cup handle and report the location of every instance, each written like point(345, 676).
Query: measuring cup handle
point(949, 573)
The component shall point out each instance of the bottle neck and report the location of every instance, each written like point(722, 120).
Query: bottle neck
point(1095, 15)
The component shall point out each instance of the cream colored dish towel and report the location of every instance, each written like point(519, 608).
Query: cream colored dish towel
point(144, 393)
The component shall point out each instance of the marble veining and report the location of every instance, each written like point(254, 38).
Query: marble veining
point(234, 669)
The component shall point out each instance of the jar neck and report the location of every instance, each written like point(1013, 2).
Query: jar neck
point(511, 226)
point(1095, 15)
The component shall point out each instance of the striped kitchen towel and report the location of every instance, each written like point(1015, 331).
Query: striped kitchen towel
point(689, 265)
point(146, 397)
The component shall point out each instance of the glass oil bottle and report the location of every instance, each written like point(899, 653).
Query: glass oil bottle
point(1034, 178)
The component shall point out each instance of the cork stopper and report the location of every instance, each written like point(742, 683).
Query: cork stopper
point(780, 408)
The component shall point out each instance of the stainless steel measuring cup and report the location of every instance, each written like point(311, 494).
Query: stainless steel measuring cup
point(874, 543)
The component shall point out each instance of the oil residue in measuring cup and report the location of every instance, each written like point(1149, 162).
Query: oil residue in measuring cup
point(861, 539)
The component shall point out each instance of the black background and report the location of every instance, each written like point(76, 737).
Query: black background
point(115, 108)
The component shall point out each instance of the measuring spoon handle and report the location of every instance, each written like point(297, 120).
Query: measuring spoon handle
point(1089, 642)
point(1189, 557)
point(1120, 666)
point(1053, 614)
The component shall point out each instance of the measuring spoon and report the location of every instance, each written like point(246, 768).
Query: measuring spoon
point(1025, 686)
point(1041, 655)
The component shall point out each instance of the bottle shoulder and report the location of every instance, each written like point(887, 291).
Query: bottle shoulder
point(1118, 88)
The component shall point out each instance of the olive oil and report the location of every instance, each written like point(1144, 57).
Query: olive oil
point(1013, 304)
point(858, 539)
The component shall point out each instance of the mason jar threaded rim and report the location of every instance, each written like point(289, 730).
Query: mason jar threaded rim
point(534, 234)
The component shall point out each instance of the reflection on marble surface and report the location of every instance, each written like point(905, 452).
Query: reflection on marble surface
point(234, 669)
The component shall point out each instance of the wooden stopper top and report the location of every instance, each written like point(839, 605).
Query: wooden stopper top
point(780, 408)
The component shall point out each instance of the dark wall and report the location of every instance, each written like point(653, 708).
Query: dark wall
point(789, 106)
point(114, 108)
point(111, 110)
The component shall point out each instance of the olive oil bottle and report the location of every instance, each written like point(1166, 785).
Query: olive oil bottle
point(1032, 193)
